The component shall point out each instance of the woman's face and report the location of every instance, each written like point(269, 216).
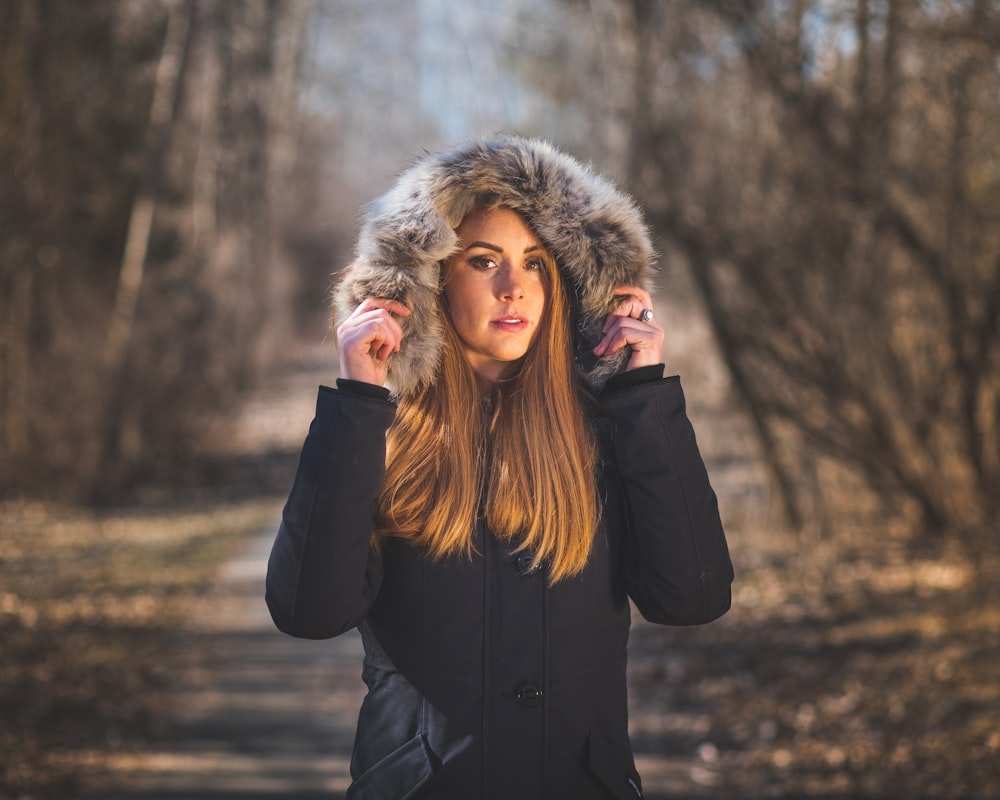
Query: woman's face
point(496, 289)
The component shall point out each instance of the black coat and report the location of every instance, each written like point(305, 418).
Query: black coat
point(483, 681)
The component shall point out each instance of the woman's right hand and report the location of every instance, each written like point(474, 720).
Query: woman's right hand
point(368, 337)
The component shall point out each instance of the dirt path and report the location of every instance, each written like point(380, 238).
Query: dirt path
point(252, 712)
point(257, 714)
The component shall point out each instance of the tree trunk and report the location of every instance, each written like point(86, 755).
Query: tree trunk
point(115, 355)
point(20, 252)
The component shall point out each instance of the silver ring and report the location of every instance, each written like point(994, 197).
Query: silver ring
point(646, 315)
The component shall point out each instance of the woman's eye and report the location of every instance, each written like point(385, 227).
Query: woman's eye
point(534, 265)
point(482, 262)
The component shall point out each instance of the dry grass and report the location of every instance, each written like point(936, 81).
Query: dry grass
point(863, 668)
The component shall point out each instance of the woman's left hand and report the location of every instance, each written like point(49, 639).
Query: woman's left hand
point(631, 323)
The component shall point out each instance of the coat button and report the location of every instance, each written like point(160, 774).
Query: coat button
point(523, 562)
point(528, 695)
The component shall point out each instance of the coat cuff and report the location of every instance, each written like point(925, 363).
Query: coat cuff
point(362, 389)
point(633, 377)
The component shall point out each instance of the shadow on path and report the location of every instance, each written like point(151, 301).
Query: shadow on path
point(256, 714)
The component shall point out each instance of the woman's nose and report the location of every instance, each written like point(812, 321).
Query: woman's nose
point(509, 284)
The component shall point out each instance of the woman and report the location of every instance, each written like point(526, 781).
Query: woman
point(501, 467)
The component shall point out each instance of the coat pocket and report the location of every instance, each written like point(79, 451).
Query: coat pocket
point(399, 775)
point(613, 768)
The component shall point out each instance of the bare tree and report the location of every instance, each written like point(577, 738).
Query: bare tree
point(829, 172)
point(166, 90)
point(145, 280)
point(66, 133)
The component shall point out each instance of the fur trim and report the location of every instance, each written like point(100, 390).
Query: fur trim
point(595, 232)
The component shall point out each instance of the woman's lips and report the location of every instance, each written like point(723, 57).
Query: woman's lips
point(511, 323)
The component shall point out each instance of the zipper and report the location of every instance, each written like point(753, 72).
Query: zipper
point(487, 692)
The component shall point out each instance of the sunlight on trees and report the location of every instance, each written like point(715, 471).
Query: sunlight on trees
point(828, 172)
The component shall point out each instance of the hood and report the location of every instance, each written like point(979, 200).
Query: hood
point(595, 232)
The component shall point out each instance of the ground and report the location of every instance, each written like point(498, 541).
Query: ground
point(138, 661)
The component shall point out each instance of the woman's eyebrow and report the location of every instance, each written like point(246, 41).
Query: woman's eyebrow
point(485, 245)
point(497, 249)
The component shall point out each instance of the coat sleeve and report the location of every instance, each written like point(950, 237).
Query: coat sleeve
point(322, 575)
point(675, 560)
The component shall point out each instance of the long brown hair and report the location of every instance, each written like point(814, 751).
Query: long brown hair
point(526, 462)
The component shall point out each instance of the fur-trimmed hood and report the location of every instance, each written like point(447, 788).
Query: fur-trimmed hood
point(595, 232)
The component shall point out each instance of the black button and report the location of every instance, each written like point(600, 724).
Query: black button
point(523, 562)
point(528, 695)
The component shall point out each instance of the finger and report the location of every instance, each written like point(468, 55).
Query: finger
point(368, 337)
point(373, 335)
point(384, 336)
point(379, 316)
point(614, 342)
point(386, 350)
point(377, 340)
point(375, 310)
point(622, 332)
point(636, 294)
point(636, 301)
point(392, 306)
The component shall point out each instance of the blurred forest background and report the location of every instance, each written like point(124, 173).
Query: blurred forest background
point(181, 178)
